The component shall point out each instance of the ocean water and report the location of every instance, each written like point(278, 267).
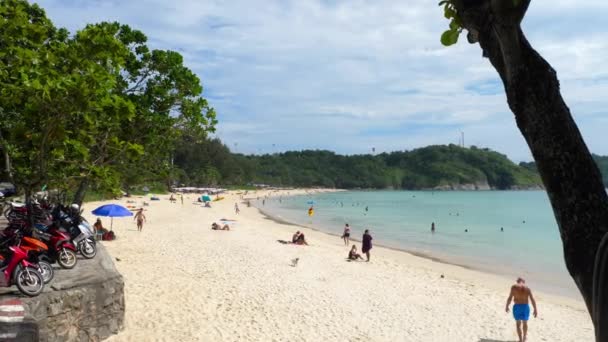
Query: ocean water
point(529, 246)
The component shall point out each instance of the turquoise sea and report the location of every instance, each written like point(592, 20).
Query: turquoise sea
point(529, 246)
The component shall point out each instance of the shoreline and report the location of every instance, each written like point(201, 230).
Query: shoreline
point(396, 249)
point(561, 292)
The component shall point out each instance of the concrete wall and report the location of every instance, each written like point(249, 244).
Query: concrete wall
point(82, 304)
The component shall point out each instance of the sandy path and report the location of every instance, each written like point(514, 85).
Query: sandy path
point(185, 282)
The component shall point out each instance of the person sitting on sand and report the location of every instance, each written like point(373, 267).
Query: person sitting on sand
point(295, 237)
point(299, 239)
point(216, 226)
point(99, 229)
point(521, 294)
point(353, 255)
point(98, 226)
point(172, 199)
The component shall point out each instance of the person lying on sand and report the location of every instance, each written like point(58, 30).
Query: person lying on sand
point(216, 226)
point(353, 255)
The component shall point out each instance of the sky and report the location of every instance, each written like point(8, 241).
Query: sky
point(353, 75)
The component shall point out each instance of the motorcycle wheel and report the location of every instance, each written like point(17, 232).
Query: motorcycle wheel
point(87, 249)
point(66, 258)
point(46, 270)
point(29, 281)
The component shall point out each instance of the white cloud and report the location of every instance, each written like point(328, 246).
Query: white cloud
point(343, 75)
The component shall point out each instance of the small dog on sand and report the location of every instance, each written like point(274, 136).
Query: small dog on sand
point(294, 262)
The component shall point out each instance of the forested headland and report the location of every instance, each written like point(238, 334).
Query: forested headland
point(442, 166)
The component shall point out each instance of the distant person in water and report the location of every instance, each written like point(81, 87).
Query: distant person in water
point(366, 208)
point(466, 230)
point(346, 235)
point(502, 229)
point(353, 255)
point(433, 227)
point(520, 295)
point(366, 245)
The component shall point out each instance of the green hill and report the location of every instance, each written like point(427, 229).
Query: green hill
point(601, 161)
point(432, 167)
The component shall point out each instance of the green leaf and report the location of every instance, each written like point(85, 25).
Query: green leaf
point(454, 24)
point(450, 37)
point(449, 13)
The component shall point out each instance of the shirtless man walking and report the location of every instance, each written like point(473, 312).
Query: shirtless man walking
point(521, 294)
point(140, 217)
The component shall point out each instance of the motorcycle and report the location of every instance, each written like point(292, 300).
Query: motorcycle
point(85, 240)
point(36, 250)
point(81, 232)
point(15, 211)
point(37, 253)
point(61, 249)
point(17, 270)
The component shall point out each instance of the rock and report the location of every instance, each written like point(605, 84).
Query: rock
point(84, 304)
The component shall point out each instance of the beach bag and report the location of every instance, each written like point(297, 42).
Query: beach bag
point(109, 236)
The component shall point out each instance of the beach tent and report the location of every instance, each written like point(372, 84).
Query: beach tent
point(206, 198)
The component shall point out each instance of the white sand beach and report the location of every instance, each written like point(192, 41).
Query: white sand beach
point(186, 282)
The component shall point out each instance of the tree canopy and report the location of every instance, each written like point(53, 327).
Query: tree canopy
point(97, 106)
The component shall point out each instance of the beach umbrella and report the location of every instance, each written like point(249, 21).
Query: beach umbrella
point(112, 211)
point(206, 198)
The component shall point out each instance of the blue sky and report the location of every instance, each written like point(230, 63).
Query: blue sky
point(351, 75)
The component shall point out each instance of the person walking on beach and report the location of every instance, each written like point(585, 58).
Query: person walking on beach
point(181, 197)
point(140, 217)
point(521, 294)
point(236, 208)
point(366, 244)
point(346, 235)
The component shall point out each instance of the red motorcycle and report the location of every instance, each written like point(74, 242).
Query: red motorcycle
point(18, 271)
point(36, 250)
point(61, 249)
point(37, 253)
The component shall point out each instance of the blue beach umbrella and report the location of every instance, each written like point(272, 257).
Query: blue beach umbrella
point(206, 198)
point(112, 210)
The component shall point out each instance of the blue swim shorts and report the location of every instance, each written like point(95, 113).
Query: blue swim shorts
point(521, 312)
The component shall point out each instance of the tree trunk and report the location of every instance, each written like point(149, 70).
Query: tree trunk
point(7, 160)
point(81, 192)
point(29, 206)
point(569, 173)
